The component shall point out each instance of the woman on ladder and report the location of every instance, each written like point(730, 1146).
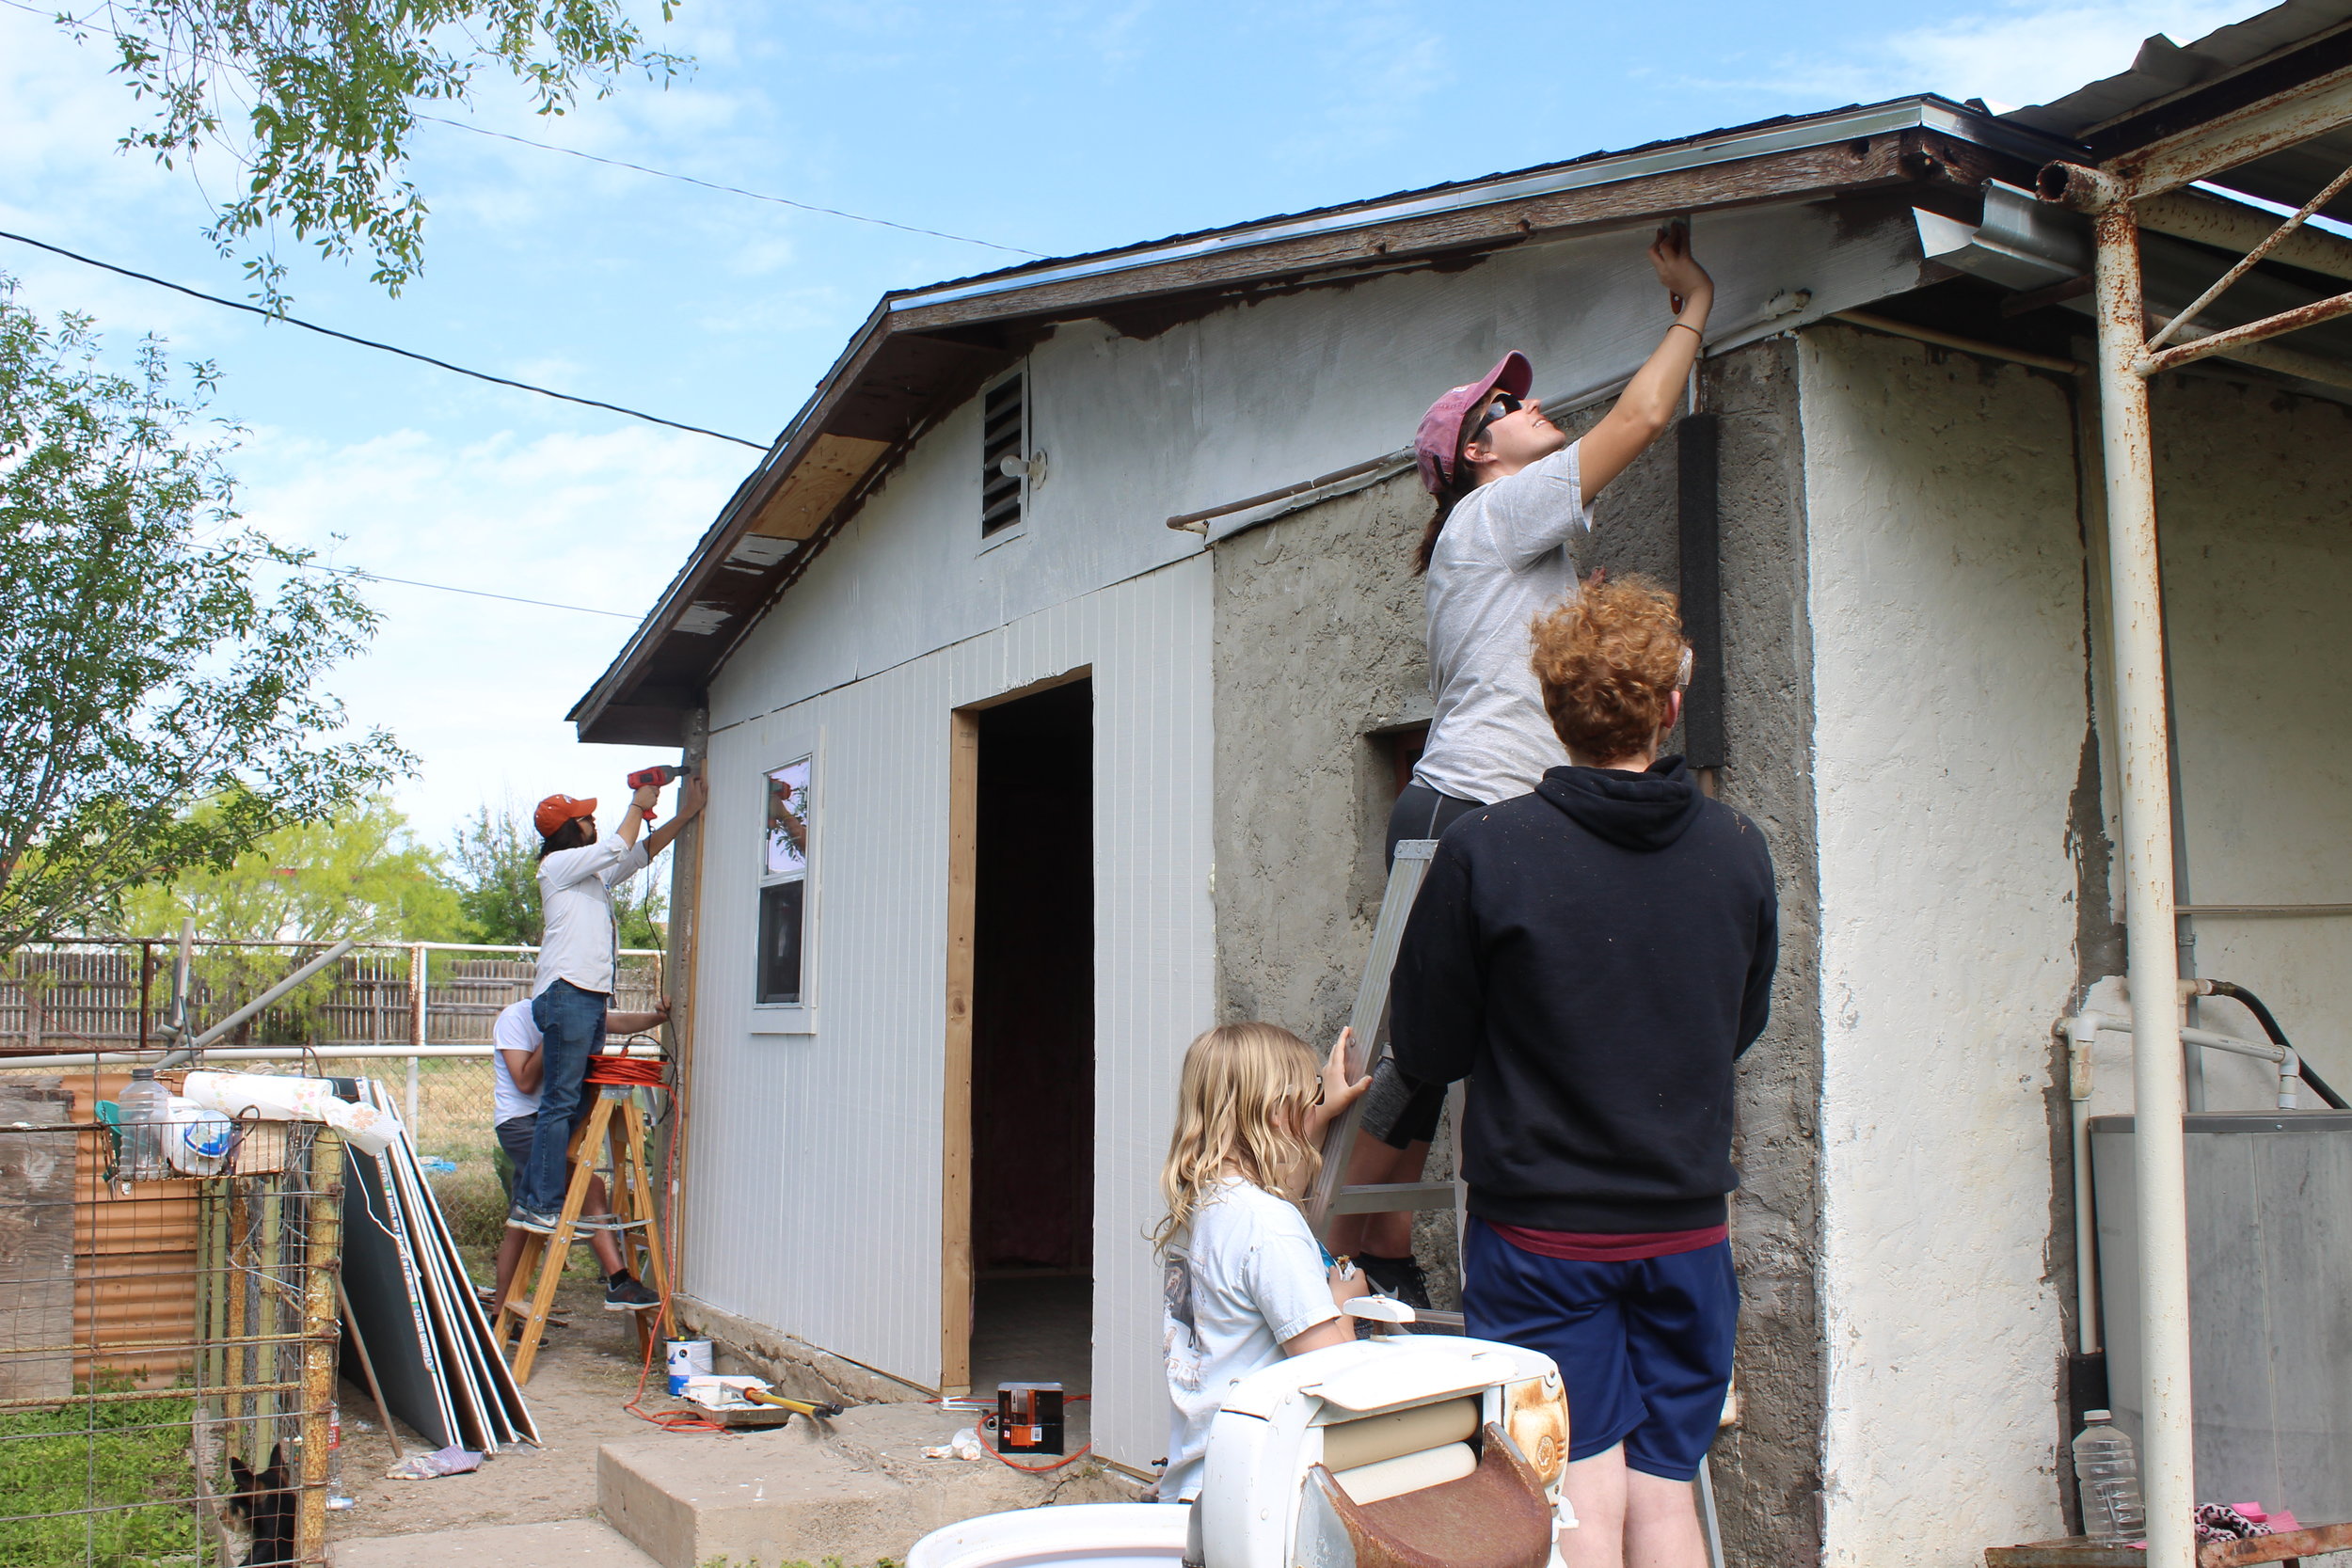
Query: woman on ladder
point(1513, 493)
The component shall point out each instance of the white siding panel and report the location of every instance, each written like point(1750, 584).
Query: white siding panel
point(1240, 402)
point(814, 1164)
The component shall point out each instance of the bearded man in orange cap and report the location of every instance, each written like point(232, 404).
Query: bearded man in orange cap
point(578, 952)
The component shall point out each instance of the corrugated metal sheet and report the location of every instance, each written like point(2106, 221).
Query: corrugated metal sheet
point(814, 1164)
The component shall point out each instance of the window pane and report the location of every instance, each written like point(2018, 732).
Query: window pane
point(780, 943)
point(784, 850)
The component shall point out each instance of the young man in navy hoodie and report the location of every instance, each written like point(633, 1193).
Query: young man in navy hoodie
point(1593, 957)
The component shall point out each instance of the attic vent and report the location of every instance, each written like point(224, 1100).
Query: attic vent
point(1004, 434)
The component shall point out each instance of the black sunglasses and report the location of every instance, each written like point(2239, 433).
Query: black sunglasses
point(1501, 404)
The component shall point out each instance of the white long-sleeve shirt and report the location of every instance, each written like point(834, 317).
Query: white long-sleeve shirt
point(582, 945)
point(1503, 560)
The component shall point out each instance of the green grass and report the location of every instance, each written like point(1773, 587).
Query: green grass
point(118, 1457)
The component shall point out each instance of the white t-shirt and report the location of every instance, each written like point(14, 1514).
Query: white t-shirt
point(513, 1030)
point(1501, 561)
point(1245, 1276)
point(582, 945)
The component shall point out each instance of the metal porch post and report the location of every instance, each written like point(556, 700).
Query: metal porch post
point(2167, 1434)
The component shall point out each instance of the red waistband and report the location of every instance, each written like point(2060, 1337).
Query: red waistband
point(1589, 1246)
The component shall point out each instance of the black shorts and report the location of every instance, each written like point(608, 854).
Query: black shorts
point(1421, 811)
point(1399, 1111)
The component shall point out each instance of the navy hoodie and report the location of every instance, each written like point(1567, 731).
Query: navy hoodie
point(1593, 957)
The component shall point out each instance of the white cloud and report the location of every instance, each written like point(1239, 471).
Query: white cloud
point(477, 686)
point(2012, 54)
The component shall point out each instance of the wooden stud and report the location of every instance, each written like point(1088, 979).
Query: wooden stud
point(956, 1280)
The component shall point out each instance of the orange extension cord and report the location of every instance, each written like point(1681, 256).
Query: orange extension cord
point(622, 1071)
point(988, 1418)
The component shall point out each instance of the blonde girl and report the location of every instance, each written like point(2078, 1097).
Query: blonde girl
point(1245, 1282)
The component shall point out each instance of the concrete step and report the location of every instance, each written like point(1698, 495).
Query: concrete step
point(565, 1543)
point(859, 1491)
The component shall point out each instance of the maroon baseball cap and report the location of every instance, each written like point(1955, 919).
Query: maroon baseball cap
point(1437, 446)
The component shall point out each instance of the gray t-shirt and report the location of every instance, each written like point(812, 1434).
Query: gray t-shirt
point(1244, 1275)
point(1501, 561)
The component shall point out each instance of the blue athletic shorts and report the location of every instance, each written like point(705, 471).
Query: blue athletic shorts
point(1644, 1347)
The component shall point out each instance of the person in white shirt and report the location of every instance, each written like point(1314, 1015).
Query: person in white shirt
point(578, 950)
point(515, 1067)
point(1244, 1279)
point(1513, 495)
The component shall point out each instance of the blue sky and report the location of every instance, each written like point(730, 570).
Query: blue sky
point(1053, 127)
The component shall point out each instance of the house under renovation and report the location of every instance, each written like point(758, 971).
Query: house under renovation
point(1056, 669)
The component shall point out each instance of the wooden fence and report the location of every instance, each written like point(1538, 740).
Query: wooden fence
point(116, 995)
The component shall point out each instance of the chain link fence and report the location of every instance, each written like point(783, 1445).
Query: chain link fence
point(415, 1016)
point(151, 1333)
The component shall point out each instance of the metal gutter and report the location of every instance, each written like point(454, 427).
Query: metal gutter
point(1925, 114)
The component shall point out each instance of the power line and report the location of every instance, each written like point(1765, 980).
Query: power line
point(657, 173)
point(367, 576)
point(369, 343)
point(731, 190)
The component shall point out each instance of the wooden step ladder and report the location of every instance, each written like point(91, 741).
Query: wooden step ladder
point(1334, 1196)
point(613, 1118)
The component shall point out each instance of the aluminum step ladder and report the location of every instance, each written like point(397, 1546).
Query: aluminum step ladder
point(1334, 1196)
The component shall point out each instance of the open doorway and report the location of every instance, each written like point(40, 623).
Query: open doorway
point(1030, 1142)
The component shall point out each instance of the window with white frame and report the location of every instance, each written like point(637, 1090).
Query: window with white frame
point(781, 979)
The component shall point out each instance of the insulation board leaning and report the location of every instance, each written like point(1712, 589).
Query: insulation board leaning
point(440, 1371)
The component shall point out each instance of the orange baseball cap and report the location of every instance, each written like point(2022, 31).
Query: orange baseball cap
point(556, 810)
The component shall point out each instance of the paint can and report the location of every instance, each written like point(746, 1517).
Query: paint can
point(686, 1359)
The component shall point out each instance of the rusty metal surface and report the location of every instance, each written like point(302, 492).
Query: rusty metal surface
point(2282, 1547)
point(2069, 1552)
point(2261, 128)
point(2136, 635)
point(2226, 225)
point(2252, 332)
point(2246, 262)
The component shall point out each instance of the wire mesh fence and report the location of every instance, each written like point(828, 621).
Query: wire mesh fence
point(167, 1348)
point(154, 1333)
point(59, 1003)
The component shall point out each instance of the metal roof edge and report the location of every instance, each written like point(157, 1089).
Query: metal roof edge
point(1922, 112)
point(1926, 112)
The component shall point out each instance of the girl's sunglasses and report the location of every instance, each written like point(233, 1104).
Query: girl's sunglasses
point(1501, 404)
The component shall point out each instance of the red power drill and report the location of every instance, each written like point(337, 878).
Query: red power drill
point(660, 775)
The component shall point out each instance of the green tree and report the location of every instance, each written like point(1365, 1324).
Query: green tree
point(145, 664)
point(494, 862)
point(361, 874)
point(315, 100)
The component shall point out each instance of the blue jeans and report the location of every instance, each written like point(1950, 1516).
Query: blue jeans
point(572, 1029)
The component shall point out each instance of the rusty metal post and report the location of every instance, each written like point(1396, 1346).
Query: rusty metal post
point(322, 1337)
point(2142, 751)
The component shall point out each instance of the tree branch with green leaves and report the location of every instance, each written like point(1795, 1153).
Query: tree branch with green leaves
point(316, 101)
point(149, 662)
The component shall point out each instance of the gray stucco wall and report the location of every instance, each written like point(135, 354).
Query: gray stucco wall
point(1318, 643)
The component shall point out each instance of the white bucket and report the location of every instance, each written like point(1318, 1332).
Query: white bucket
point(686, 1359)
point(1098, 1535)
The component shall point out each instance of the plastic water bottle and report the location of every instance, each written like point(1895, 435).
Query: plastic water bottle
point(2106, 1473)
point(145, 1106)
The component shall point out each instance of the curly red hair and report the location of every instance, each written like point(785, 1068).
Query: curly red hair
point(1610, 660)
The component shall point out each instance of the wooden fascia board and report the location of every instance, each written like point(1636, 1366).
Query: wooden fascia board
point(1916, 156)
point(1800, 174)
point(749, 499)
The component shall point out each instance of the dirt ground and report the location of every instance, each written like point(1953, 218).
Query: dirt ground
point(585, 1373)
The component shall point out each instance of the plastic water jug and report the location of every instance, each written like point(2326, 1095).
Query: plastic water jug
point(146, 1108)
point(2106, 1473)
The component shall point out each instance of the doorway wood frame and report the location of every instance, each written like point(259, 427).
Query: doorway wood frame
point(956, 1276)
